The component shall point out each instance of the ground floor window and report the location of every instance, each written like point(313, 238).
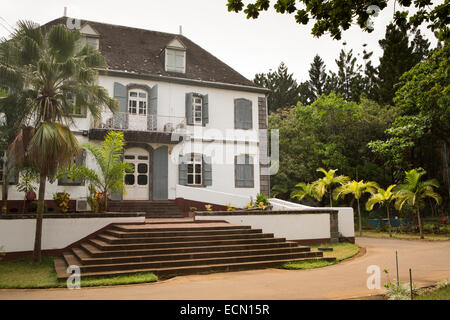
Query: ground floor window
point(194, 169)
point(244, 171)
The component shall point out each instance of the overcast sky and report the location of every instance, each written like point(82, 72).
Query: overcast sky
point(249, 46)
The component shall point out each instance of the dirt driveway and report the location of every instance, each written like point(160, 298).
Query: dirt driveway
point(430, 262)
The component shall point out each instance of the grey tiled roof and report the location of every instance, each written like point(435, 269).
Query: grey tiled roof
point(142, 51)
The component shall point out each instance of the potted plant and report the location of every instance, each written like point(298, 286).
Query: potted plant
point(27, 180)
point(62, 200)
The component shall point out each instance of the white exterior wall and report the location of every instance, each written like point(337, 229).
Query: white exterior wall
point(289, 226)
point(171, 102)
point(18, 234)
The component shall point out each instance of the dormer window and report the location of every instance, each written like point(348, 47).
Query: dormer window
point(175, 60)
point(90, 41)
point(175, 57)
point(89, 36)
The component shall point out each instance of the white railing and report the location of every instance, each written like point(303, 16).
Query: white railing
point(155, 123)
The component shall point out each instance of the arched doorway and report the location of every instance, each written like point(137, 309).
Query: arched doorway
point(137, 183)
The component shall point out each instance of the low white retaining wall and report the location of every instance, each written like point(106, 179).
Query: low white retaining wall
point(292, 226)
point(17, 235)
point(211, 196)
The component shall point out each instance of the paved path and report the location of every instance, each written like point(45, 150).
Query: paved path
point(430, 262)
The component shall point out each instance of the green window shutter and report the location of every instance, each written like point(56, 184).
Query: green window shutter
point(244, 172)
point(182, 171)
point(189, 114)
point(120, 93)
point(243, 114)
point(205, 112)
point(207, 171)
point(153, 105)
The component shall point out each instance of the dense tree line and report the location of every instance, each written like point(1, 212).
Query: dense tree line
point(372, 123)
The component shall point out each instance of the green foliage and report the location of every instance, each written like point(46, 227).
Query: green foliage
point(262, 198)
point(402, 291)
point(413, 193)
point(333, 133)
point(108, 156)
point(333, 17)
point(28, 179)
point(399, 56)
point(303, 190)
point(284, 90)
point(92, 199)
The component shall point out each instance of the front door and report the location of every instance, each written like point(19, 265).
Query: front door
point(136, 183)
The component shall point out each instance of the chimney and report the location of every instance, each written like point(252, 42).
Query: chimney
point(65, 11)
point(181, 30)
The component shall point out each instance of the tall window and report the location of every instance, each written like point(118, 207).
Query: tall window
point(73, 109)
point(194, 170)
point(244, 177)
point(197, 103)
point(137, 102)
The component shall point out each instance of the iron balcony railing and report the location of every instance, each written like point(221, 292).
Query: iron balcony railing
point(151, 122)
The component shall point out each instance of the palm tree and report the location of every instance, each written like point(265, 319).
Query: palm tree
point(59, 78)
point(325, 184)
point(110, 177)
point(414, 192)
point(357, 189)
point(303, 190)
point(384, 198)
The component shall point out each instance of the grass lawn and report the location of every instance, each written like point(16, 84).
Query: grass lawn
point(441, 294)
point(341, 251)
point(21, 274)
point(405, 236)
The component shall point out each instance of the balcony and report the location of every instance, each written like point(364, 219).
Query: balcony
point(139, 128)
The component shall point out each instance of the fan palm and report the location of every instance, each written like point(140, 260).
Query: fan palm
point(58, 77)
point(357, 188)
point(303, 190)
point(108, 157)
point(325, 184)
point(413, 192)
point(383, 198)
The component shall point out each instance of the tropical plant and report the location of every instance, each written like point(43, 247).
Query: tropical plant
point(27, 183)
point(325, 184)
point(208, 207)
point(109, 178)
point(62, 200)
point(261, 197)
point(303, 190)
point(92, 199)
point(400, 291)
point(413, 193)
point(383, 198)
point(58, 76)
point(357, 188)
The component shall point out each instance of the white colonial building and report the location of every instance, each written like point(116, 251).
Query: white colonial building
point(194, 127)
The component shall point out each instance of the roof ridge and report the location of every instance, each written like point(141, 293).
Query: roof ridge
point(114, 25)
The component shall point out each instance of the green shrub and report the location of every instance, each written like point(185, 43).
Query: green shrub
point(262, 198)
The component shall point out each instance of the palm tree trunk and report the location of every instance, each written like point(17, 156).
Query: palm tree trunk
point(105, 200)
point(40, 210)
point(359, 217)
point(389, 221)
point(331, 200)
point(5, 186)
point(419, 221)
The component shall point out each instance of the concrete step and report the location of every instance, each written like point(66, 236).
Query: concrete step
point(114, 247)
point(163, 273)
point(72, 259)
point(176, 227)
point(214, 237)
point(95, 252)
point(87, 259)
point(123, 234)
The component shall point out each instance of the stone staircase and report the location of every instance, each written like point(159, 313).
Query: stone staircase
point(153, 209)
point(171, 248)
